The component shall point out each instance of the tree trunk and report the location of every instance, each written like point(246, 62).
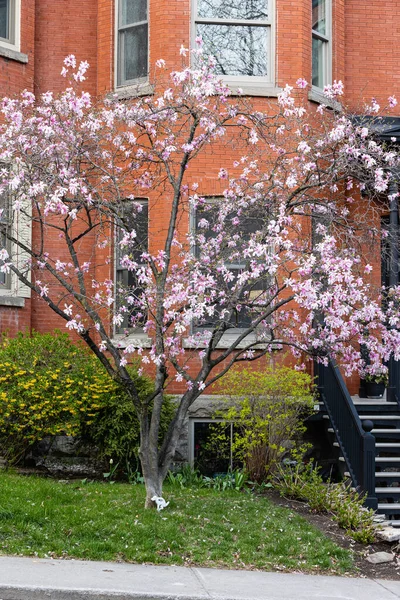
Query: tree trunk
point(148, 455)
point(153, 484)
point(156, 462)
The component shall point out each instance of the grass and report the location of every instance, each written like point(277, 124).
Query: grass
point(99, 521)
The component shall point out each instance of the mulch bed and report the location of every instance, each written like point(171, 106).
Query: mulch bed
point(330, 528)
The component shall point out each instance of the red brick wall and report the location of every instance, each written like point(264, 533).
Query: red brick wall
point(14, 319)
point(64, 28)
point(372, 32)
point(16, 76)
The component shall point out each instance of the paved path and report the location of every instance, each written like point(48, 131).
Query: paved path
point(38, 579)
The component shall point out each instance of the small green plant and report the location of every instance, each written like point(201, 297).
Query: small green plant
point(346, 504)
point(185, 477)
point(303, 482)
point(376, 374)
point(236, 481)
point(111, 473)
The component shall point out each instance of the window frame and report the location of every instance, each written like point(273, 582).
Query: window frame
point(191, 435)
point(119, 330)
point(12, 42)
point(20, 225)
point(256, 85)
point(232, 332)
point(326, 39)
point(119, 82)
point(5, 205)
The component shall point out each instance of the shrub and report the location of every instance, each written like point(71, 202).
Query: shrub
point(268, 409)
point(114, 428)
point(50, 386)
point(303, 482)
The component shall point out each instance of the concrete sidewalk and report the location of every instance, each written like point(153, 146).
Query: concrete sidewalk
point(38, 579)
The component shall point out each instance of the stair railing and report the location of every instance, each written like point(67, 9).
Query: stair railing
point(356, 444)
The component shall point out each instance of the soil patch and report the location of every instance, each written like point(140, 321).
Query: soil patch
point(330, 528)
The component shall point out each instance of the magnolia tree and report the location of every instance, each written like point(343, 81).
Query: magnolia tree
point(232, 277)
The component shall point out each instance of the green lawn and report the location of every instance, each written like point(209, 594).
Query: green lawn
point(100, 521)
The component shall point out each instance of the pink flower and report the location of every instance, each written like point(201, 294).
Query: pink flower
point(301, 83)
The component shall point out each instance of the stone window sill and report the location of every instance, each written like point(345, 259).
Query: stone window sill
point(12, 301)
point(225, 342)
point(317, 95)
point(13, 54)
point(140, 340)
point(250, 88)
point(134, 91)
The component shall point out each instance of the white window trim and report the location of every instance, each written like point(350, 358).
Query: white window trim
point(327, 39)
point(251, 86)
point(15, 44)
point(21, 227)
point(135, 87)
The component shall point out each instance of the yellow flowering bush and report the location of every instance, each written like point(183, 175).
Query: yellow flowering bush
point(50, 386)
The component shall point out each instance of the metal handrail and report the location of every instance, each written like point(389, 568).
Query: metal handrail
point(356, 444)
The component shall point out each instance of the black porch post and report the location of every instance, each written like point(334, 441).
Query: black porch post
point(394, 366)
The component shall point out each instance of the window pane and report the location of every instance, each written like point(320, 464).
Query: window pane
point(127, 284)
point(212, 447)
point(134, 52)
point(232, 9)
point(133, 11)
point(319, 16)
point(318, 62)
point(238, 50)
point(4, 225)
point(4, 19)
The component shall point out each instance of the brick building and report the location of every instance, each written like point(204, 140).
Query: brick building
point(321, 40)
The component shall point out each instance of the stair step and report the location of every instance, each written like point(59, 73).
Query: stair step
point(387, 490)
point(373, 403)
point(387, 445)
point(380, 417)
point(387, 474)
point(393, 459)
point(378, 431)
point(389, 507)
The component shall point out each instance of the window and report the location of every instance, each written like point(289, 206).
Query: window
point(321, 43)
point(238, 33)
point(9, 23)
point(211, 446)
point(236, 319)
point(135, 216)
point(132, 41)
point(18, 225)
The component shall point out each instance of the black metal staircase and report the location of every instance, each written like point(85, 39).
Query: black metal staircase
point(357, 445)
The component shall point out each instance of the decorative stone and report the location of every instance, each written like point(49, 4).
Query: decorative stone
point(389, 534)
point(380, 557)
